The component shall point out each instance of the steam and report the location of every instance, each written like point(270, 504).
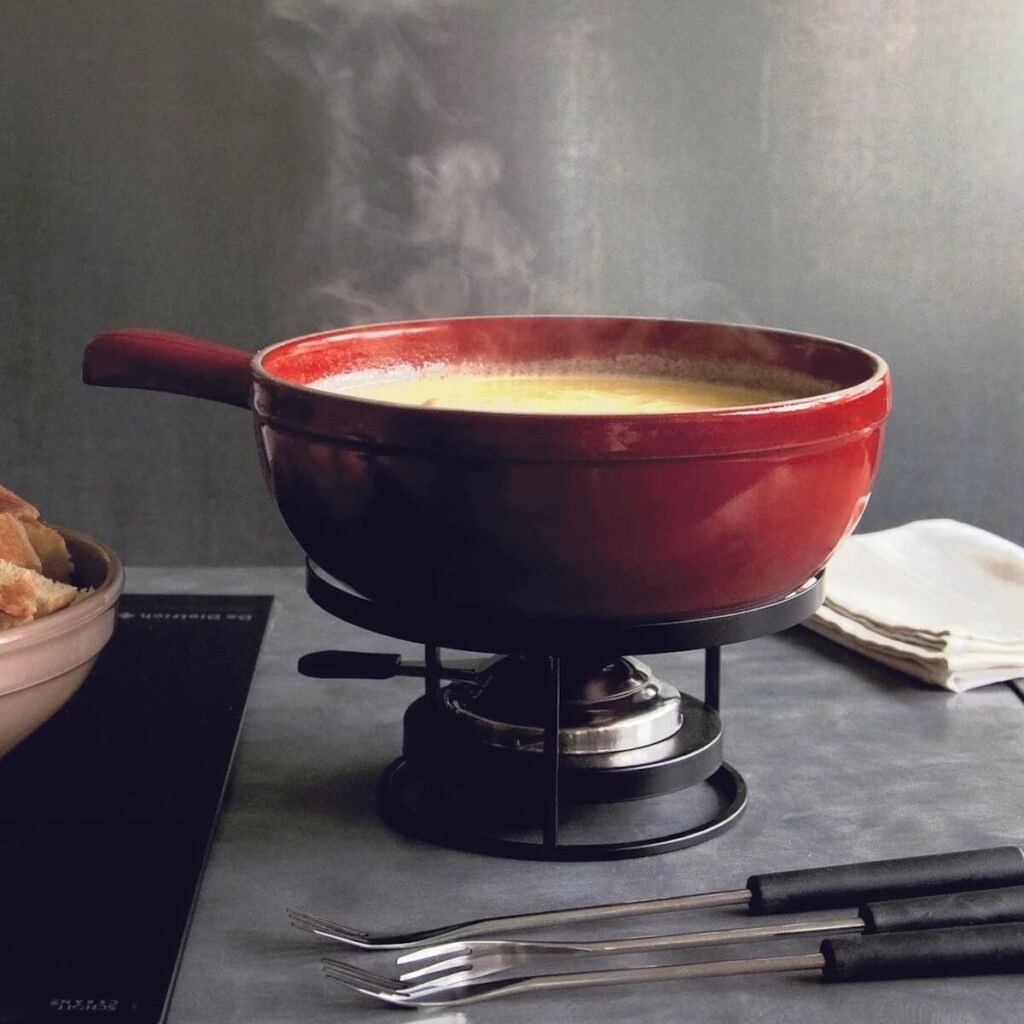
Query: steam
point(409, 222)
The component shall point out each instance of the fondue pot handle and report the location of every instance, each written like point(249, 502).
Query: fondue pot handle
point(139, 357)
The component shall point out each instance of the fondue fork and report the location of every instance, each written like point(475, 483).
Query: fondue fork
point(929, 953)
point(455, 963)
point(826, 888)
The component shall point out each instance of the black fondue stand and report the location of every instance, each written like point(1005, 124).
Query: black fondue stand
point(429, 792)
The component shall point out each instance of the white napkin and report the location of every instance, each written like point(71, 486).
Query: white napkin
point(937, 599)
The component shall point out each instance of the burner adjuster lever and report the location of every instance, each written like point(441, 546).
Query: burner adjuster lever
point(375, 665)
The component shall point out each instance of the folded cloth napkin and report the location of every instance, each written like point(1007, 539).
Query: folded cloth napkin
point(937, 599)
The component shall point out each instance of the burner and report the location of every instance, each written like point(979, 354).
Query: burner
point(446, 748)
point(608, 705)
point(553, 734)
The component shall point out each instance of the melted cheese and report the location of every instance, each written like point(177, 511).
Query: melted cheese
point(558, 393)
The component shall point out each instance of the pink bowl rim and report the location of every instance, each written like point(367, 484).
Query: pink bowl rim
point(100, 601)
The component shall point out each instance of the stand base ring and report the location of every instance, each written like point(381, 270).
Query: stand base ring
point(454, 834)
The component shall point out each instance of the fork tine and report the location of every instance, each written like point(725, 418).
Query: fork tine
point(301, 918)
point(339, 970)
point(308, 922)
point(372, 992)
point(388, 997)
point(359, 974)
point(334, 974)
point(451, 964)
point(428, 952)
point(360, 939)
point(329, 929)
point(353, 982)
point(399, 1000)
point(411, 1000)
point(424, 995)
point(345, 965)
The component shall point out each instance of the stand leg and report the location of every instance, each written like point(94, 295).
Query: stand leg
point(432, 687)
point(551, 754)
point(432, 665)
point(713, 677)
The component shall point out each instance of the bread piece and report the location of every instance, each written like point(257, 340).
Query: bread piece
point(10, 502)
point(25, 594)
point(52, 551)
point(51, 596)
point(17, 594)
point(35, 564)
point(14, 544)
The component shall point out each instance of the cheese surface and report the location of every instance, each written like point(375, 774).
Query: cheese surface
point(556, 393)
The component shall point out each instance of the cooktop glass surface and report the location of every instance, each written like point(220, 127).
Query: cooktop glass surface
point(107, 812)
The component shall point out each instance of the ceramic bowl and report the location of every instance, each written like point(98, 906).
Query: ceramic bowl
point(45, 661)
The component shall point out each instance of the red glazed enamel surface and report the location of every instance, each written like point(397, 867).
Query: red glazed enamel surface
point(638, 517)
point(622, 517)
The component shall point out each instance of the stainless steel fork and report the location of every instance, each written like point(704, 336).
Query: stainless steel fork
point(930, 952)
point(407, 940)
point(461, 994)
point(456, 962)
point(478, 958)
point(827, 888)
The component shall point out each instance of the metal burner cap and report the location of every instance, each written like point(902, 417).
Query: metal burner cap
point(622, 708)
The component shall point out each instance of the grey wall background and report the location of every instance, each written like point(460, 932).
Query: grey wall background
point(247, 170)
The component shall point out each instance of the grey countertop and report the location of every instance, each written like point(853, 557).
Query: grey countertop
point(845, 760)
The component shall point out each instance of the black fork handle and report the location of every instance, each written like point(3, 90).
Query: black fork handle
point(848, 885)
point(932, 953)
point(946, 910)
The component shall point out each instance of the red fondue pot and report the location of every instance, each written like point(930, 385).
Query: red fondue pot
point(620, 517)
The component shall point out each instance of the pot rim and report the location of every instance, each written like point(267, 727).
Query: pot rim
point(789, 424)
point(880, 371)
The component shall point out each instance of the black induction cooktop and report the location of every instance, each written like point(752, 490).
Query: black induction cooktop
point(107, 812)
